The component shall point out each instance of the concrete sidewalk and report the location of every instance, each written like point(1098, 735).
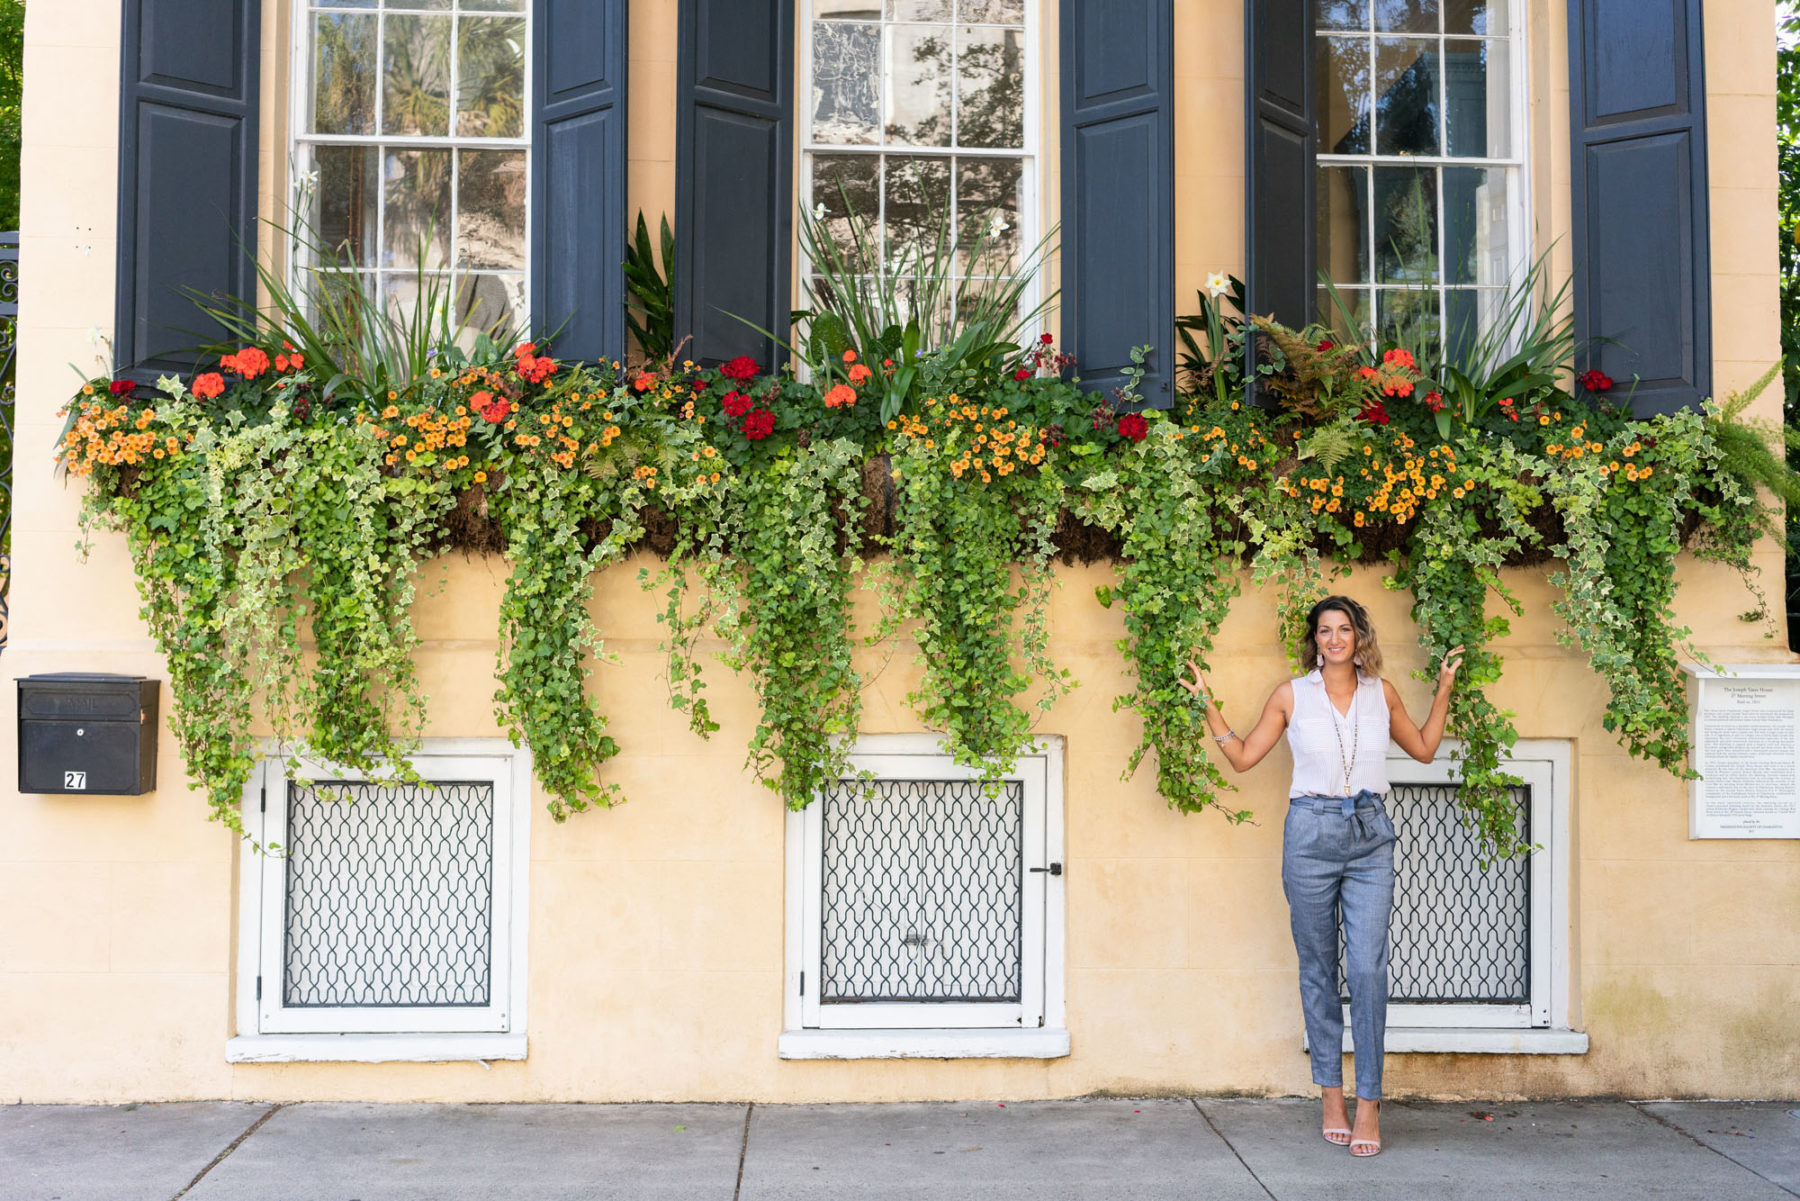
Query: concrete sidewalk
point(1144, 1150)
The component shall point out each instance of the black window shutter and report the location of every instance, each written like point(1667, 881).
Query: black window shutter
point(734, 193)
point(1281, 276)
point(187, 175)
point(1118, 190)
point(578, 170)
point(1637, 97)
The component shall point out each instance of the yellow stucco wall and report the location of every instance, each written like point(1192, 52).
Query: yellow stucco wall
point(656, 930)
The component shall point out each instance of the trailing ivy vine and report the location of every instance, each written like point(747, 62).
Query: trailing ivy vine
point(1176, 579)
point(975, 518)
point(789, 578)
point(1453, 564)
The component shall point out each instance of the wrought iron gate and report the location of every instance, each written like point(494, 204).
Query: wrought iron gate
point(9, 347)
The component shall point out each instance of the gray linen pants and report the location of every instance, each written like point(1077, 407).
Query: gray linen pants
point(1338, 854)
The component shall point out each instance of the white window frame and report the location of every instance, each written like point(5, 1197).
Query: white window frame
point(1543, 1025)
point(300, 142)
point(269, 1032)
point(1518, 166)
point(1031, 155)
point(1033, 1027)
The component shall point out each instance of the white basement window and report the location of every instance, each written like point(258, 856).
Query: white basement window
point(1479, 956)
point(386, 921)
point(925, 915)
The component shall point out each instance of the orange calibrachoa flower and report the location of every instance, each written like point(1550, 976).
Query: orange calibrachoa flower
point(99, 438)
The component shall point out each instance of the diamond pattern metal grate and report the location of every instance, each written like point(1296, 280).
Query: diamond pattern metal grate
point(389, 895)
point(1459, 933)
point(923, 892)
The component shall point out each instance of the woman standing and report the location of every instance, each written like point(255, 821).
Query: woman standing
point(1338, 843)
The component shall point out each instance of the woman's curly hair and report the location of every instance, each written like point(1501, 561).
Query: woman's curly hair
point(1368, 648)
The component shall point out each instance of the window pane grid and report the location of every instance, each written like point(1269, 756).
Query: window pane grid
point(444, 191)
point(908, 85)
point(1420, 163)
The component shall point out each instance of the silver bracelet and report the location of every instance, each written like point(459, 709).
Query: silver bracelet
point(1226, 737)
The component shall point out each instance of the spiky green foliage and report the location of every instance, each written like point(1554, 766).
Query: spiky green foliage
point(650, 309)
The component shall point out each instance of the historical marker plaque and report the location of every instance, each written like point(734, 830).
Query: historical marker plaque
point(1747, 751)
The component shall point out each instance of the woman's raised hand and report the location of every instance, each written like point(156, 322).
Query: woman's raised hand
point(1448, 668)
point(1196, 686)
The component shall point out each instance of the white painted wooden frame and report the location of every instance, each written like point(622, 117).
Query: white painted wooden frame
point(269, 1031)
point(1031, 1027)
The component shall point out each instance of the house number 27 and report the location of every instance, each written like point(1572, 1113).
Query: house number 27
point(76, 780)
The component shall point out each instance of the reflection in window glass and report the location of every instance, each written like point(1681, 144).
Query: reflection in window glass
point(414, 155)
point(1420, 208)
point(915, 109)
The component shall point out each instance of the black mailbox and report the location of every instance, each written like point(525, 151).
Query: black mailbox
point(86, 733)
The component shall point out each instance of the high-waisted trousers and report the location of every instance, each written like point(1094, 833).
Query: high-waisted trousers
point(1337, 856)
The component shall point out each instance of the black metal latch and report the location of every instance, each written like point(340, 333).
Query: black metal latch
point(1054, 869)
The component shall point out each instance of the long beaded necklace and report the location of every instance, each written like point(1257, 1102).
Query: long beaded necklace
point(1337, 727)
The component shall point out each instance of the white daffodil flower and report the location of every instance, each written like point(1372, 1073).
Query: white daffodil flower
point(1218, 283)
point(997, 226)
point(819, 211)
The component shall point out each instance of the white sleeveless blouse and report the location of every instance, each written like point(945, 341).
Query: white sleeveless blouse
point(1314, 734)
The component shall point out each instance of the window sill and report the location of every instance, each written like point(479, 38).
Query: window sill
point(373, 1048)
point(924, 1044)
point(1471, 1040)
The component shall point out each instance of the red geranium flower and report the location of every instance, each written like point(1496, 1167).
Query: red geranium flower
point(736, 404)
point(1596, 381)
point(121, 387)
point(1326, 345)
point(209, 385)
point(1047, 339)
point(497, 412)
point(1132, 426)
point(840, 396)
point(534, 370)
point(1374, 412)
point(1434, 401)
point(251, 362)
point(759, 424)
point(1021, 374)
point(1398, 358)
point(741, 368)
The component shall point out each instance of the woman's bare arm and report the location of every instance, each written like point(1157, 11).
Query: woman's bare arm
point(1422, 744)
point(1246, 751)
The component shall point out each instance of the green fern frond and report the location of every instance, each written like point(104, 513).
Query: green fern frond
point(1331, 444)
